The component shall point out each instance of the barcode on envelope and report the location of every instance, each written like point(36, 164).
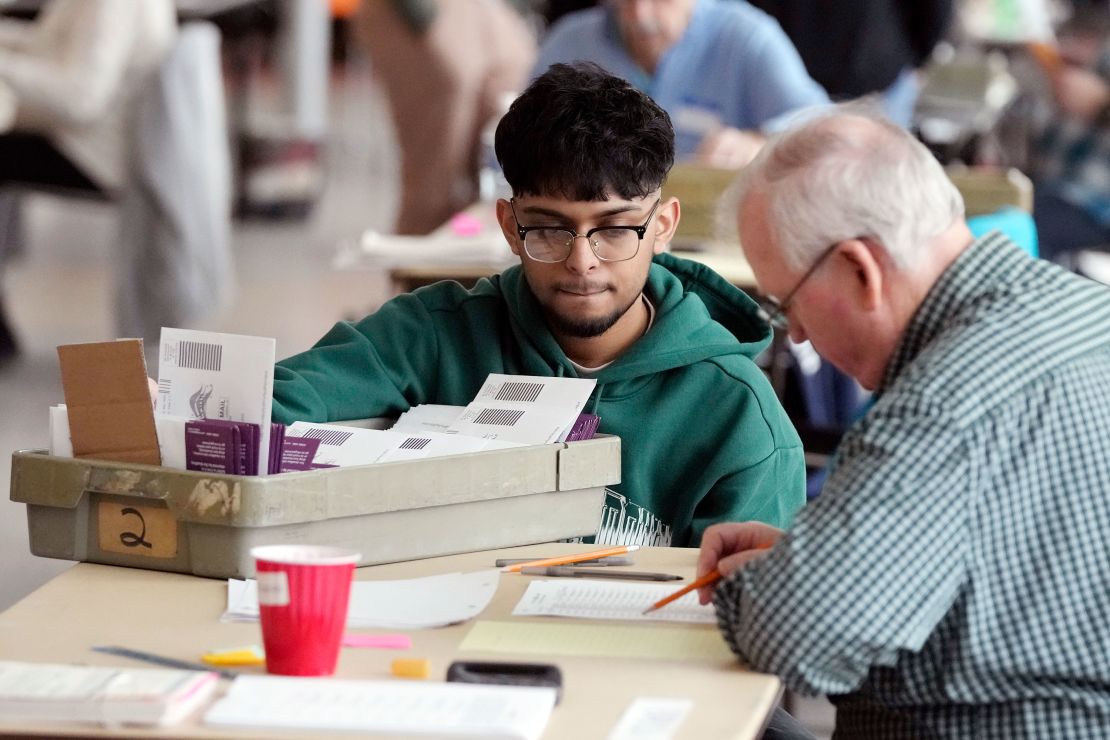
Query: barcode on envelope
point(415, 443)
point(199, 355)
point(165, 385)
point(499, 417)
point(519, 392)
point(331, 437)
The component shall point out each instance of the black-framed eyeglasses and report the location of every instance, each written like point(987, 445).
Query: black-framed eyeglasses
point(773, 311)
point(609, 243)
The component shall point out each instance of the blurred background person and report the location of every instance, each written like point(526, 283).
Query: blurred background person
point(67, 83)
point(858, 47)
point(70, 75)
point(722, 69)
point(446, 66)
point(1071, 157)
point(553, 10)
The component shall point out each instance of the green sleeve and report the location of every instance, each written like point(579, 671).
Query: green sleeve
point(770, 491)
point(380, 366)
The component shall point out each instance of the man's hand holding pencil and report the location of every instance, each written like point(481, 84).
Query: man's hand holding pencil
point(726, 547)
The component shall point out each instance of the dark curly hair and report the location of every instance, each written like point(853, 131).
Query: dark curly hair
point(579, 133)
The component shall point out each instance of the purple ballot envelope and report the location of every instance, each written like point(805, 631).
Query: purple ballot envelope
point(212, 446)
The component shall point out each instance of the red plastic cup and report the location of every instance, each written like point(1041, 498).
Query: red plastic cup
point(303, 592)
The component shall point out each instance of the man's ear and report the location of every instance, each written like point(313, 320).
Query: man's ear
point(666, 223)
point(507, 221)
point(865, 262)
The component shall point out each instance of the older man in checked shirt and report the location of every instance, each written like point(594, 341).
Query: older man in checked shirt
point(953, 579)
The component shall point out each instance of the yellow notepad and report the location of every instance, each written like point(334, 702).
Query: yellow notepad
point(597, 640)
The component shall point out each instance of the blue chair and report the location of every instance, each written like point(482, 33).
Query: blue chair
point(1014, 222)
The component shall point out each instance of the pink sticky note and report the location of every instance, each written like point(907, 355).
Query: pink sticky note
point(464, 224)
point(385, 642)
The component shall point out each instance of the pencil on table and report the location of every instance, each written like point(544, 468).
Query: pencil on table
point(569, 559)
point(711, 577)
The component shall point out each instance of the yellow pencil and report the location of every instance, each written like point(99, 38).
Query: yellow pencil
point(568, 559)
point(711, 577)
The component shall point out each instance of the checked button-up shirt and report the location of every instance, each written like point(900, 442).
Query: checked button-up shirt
point(953, 578)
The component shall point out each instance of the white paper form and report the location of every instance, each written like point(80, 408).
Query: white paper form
point(651, 718)
point(375, 250)
point(411, 603)
point(171, 440)
point(393, 707)
point(581, 597)
point(342, 445)
point(525, 408)
point(427, 417)
point(430, 444)
point(207, 375)
point(60, 442)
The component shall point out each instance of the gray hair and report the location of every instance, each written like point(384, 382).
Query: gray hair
point(850, 173)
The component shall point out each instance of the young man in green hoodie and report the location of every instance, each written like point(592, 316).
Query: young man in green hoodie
point(670, 342)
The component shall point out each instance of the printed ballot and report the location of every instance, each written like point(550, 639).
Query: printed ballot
point(427, 417)
point(342, 445)
point(588, 599)
point(207, 375)
point(525, 409)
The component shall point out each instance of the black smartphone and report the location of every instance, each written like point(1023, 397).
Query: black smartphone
point(508, 674)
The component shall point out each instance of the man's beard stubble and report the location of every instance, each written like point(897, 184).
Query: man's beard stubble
point(586, 328)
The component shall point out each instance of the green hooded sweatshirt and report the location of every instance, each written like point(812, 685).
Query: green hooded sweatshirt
point(703, 437)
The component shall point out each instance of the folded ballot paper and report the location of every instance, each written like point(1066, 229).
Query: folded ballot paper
point(427, 417)
point(339, 446)
point(524, 409)
point(206, 375)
